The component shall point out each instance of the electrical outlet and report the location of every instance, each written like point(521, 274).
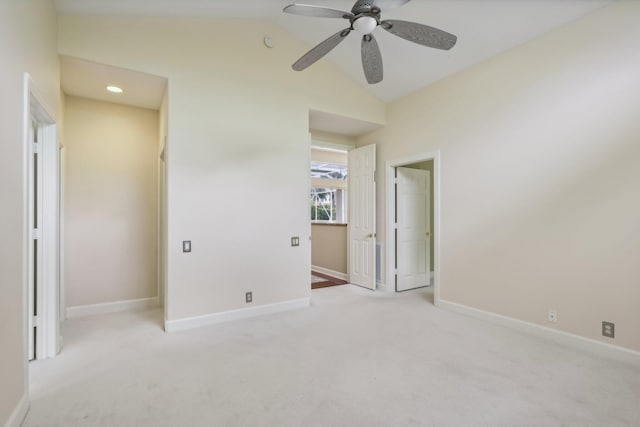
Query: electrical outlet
point(248, 297)
point(552, 315)
point(186, 246)
point(608, 329)
point(295, 241)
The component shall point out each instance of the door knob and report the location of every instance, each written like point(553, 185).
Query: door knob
point(372, 235)
point(428, 233)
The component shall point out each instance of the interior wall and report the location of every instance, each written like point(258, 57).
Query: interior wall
point(163, 152)
point(539, 190)
point(111, 201)
point(337, 157)
point(329, 247)
point(428, 166)
point(27, 44)
point(238, 137)
point(331, 140)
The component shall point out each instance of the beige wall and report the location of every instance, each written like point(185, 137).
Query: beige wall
point(27, 44)
point(163, 152)
point(341, 158)
point(110, 202)
point(329, 247)
point(322, 138)
point(238, 137)
point(539, 155)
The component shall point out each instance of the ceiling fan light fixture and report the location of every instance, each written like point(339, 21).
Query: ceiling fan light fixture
point(365, 25)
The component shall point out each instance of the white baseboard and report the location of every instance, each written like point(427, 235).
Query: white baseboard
point(336, 274)
point(621, 354)
point(111, 307)
point(19, 413)
point(228, 316)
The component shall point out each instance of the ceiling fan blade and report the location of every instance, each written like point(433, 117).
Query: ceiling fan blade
point(320, 50)
point(382, 4)
point(317, 11)
point(421, 34)
point(371, 59)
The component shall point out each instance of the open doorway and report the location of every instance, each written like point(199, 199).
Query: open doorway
point(42, 226)
point(412, 224)
point(333, 146)
point(329, 213)
point(114, 189)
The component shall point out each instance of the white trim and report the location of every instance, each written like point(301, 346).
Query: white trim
point(47, 334)
point(111, 307)
point(344, 149)
point(26, 229)
point(19, 412)
point(620, 354)
point(231, 315)
point(62, 312)
point(390, 165)
point(328, 272)
point(329, 146)
point(49, 308)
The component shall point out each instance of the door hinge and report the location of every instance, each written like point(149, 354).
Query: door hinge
point(36, 148)
point(36, 322)
point(35, 234)
point(395, 271)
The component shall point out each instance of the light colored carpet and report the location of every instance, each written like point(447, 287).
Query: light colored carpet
point(355, 358)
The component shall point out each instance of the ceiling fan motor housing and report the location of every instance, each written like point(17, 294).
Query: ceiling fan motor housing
point(364, 7)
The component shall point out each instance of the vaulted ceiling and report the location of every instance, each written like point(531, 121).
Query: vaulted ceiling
point(484, 29)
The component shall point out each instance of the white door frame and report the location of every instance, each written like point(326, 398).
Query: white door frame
point(47, 321)
point(390, 166)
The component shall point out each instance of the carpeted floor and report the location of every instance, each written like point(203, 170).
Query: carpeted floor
point(354, 358)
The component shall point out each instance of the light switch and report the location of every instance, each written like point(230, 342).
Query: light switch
point(295, 241)
point(186, 246)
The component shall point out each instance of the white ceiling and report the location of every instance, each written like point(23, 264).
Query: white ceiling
point(89, 80)
point(484, 29)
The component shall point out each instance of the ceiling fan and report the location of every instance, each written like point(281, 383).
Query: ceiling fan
point(363, 19)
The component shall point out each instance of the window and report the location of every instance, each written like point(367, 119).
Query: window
point(328, 205)
point(328, 171)
point(328, 192)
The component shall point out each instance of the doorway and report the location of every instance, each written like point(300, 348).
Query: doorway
point(114, 186)
point(359, 256)
point(42, 227)
point(329, 214)
point(413, 226)
point(412, 223)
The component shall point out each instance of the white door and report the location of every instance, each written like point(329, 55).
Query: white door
point(362, 217)
point(413, 237)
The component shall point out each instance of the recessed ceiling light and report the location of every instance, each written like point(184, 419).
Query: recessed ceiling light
point(114, 89)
